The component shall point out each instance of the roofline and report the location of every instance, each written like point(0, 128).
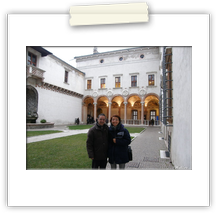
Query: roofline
point(68, 64)
point(49, 53)
point(41, 50)
point(112, 52)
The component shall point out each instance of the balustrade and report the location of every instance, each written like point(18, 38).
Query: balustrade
point(34, 72)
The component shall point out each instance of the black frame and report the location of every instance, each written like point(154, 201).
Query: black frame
point(211, 209)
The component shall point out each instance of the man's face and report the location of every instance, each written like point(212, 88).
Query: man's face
point(101, 120)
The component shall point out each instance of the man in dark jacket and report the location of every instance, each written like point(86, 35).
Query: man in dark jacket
point(97, 143)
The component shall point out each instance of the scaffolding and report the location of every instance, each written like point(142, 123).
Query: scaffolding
point(166, 97)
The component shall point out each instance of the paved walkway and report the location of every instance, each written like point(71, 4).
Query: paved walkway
point(148, 149)
point(65, 132)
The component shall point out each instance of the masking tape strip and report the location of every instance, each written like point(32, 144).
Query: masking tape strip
point(109, 14)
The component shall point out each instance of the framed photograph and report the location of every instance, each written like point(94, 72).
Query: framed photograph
point(179, 187)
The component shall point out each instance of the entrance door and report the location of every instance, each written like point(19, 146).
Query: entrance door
point(153, 115)
point(134, 114)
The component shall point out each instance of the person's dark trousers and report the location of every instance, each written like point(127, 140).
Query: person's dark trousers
point(96, 164)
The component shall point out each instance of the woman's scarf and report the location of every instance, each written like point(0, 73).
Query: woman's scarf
point(115, 127)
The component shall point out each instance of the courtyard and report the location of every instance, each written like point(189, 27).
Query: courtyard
point(66, 148)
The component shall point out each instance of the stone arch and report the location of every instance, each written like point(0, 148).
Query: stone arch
point(31, 98)
point(151, 107)
point(152, 94)
point(133, 94)
point(88, 109)
point(100, 96)
point(117, 105)
point(117, 95)
point(134, 109)
point(99, 111)
point(136, 97)
point(31, 104)
point(102, 105)
point(119, 101)
point(88, 96)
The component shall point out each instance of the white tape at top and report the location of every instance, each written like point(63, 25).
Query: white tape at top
point(109, 14)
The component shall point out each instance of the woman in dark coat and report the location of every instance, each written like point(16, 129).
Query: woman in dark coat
point(119, 139)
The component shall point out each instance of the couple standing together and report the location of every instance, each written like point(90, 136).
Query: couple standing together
point(108, 142)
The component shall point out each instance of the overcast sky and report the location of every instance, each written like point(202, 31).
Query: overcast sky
point(67, 54)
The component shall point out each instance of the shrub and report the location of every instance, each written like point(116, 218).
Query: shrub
point(43, 121)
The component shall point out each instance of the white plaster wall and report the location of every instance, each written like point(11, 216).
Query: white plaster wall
point(182, 110)
point(132, 64)
point(58, 108)
point(55, 72)
point(113, 57)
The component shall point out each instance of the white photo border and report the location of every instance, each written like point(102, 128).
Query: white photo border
point(12, 182)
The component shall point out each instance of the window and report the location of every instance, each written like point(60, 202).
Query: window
point(88, 84)
point(133, 81)
point(153, 115)
point(103, 85)
point(121, 59)
point(134, 114)
point(102, 61)
point(117, 81)
point(32, 59)
point(103, 82)
point(141, 56)
point(151, 80)
point(66, 77)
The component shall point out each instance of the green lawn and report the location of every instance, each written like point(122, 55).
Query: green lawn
point(80, 127)
point(60, 153)
point(135, 129)
point(43, 132)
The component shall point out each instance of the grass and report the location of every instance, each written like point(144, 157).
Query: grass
point(134, 129)
point(80, 127)
point(37, 133)
point(130, 129)
point(60, 153)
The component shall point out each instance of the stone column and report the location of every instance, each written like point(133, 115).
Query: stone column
point(125, 112)
point(83, 113)
point(95, 111)
point(109, 113)
point(142, 111)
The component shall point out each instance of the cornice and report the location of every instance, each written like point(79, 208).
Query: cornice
point(61, 90)
point(66, 65)
point(118, 63)
point(116, 52)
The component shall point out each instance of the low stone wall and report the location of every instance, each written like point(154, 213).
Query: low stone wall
point(39, 125)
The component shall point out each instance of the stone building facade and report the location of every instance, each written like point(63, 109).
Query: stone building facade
point(54, 88)
point(124, 82)
point(176, 104)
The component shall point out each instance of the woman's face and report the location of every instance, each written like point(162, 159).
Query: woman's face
point(115, 121)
